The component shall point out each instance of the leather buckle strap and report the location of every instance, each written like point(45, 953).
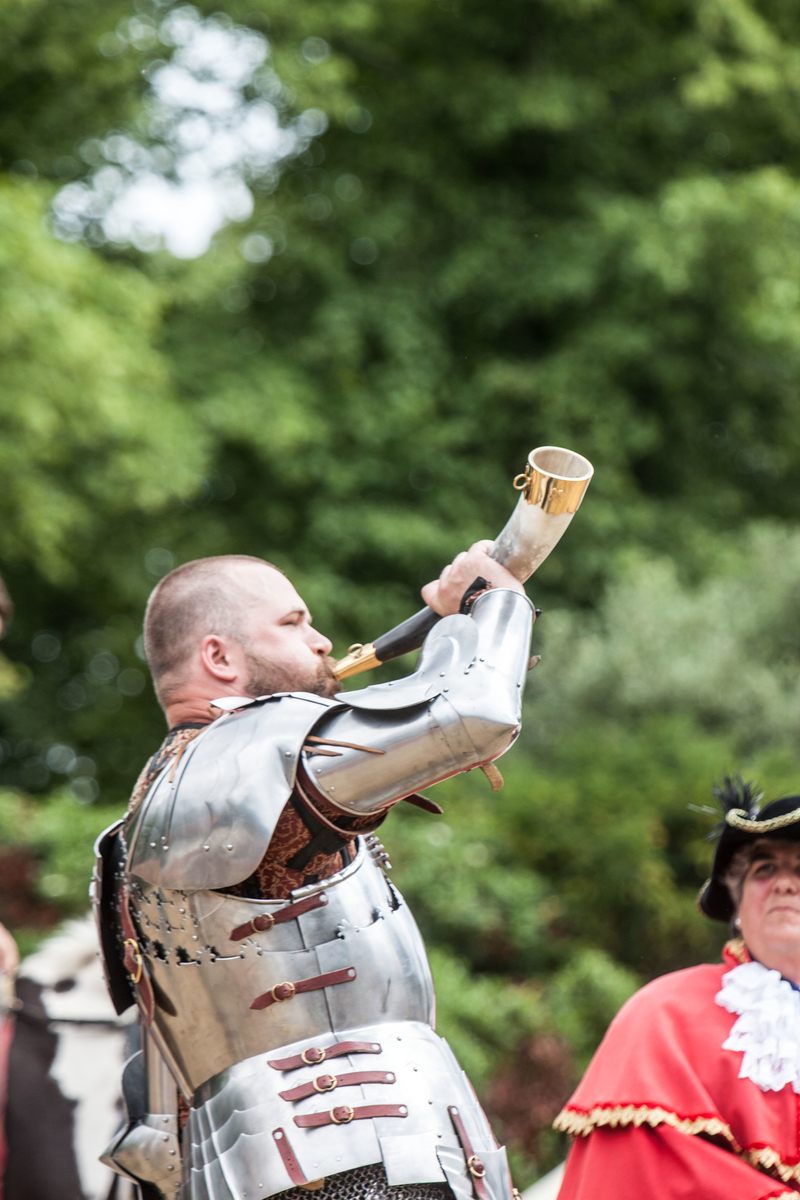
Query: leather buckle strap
point(474, 1165)
point(344, 1115)
point(315, 1055)
point(266, 921)
point(134, 961)
point(327, 1083)
point(287, 991)
point(293, 1168)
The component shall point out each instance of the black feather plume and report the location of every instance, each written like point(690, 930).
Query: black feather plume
point(734, 792)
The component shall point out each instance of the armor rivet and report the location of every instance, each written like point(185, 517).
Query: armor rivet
point(152, 845)
point(194, 937)
point(182, 910)
point(445, 689)
point(172, 1151)
point(206, 847)
point(229, 847)
point(403, 1109)
point(170, 1166)
point(441, 674)
point(165, 1137)
point(288, 754)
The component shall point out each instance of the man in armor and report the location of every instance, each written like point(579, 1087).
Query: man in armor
point(283, 988)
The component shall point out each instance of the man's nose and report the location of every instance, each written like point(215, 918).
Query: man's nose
point(320, 644)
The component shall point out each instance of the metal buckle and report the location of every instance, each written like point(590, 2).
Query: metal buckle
point(280, 999)
point(262, 928)
point(137, 956)
point(344, 1120)
point(476, 1167)
point(318, 1086)
point(312, 1062)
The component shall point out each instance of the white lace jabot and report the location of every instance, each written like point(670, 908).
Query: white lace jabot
point(768, 1029)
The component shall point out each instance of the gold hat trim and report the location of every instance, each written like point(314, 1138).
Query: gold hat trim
point(739, 819)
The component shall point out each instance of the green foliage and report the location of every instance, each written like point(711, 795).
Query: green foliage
point(583, 998)
point(88, 429)
point(484, 1019)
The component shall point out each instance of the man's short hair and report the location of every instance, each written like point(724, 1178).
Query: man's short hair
point(196, 599)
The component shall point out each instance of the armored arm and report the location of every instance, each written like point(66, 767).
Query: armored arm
point(460, 709)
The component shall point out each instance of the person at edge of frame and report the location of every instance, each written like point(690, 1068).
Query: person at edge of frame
point(9, 956)
point(695, 1089)
point(251, 836)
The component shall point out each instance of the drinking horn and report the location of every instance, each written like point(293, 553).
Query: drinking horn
point(551, 489)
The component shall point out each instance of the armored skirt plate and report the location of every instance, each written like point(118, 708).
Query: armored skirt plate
point(205, 981)
point(230, 1137)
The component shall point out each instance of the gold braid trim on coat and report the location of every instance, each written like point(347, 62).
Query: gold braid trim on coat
point(581, 1124)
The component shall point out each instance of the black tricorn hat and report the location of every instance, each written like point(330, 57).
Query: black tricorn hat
point(743, 822)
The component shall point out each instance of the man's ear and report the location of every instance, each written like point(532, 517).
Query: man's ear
point(219, 657)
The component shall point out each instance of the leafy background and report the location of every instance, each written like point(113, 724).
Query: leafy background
point(561, 221)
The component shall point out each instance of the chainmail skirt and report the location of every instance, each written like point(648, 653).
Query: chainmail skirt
point(369, 1183)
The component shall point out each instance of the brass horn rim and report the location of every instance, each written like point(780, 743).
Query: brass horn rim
point(587, 469)
point(549, 489)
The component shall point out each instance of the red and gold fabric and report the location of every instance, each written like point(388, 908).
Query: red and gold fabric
point(662, 1111)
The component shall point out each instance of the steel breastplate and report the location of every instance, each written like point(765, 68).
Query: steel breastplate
point(205, 982)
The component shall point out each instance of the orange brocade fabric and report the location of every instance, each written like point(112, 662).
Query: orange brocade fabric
point(661, 1111)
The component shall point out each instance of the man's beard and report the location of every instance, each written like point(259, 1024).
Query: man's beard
point(268, 677)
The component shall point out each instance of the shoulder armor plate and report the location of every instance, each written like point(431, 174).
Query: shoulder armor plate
point(207, 820)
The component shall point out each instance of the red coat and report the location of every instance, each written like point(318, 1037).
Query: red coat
point(661, 1113)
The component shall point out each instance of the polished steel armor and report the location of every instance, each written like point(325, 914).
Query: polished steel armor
point(349, 968)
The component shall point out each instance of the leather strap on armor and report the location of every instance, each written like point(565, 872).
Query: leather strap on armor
point(423, 802)
point(293, 1168)
point(344, 1115)
point(287, 991)
point(134, 962)
point(315, 1055)
point(288, 913)
point(474, 1165)
point(475, 589)
point(327, 1083)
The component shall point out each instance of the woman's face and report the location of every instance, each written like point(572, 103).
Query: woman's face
point(769, 912)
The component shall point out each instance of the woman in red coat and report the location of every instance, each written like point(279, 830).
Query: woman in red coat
point(694, 1093)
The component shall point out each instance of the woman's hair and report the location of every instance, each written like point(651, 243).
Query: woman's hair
point(737, 870)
